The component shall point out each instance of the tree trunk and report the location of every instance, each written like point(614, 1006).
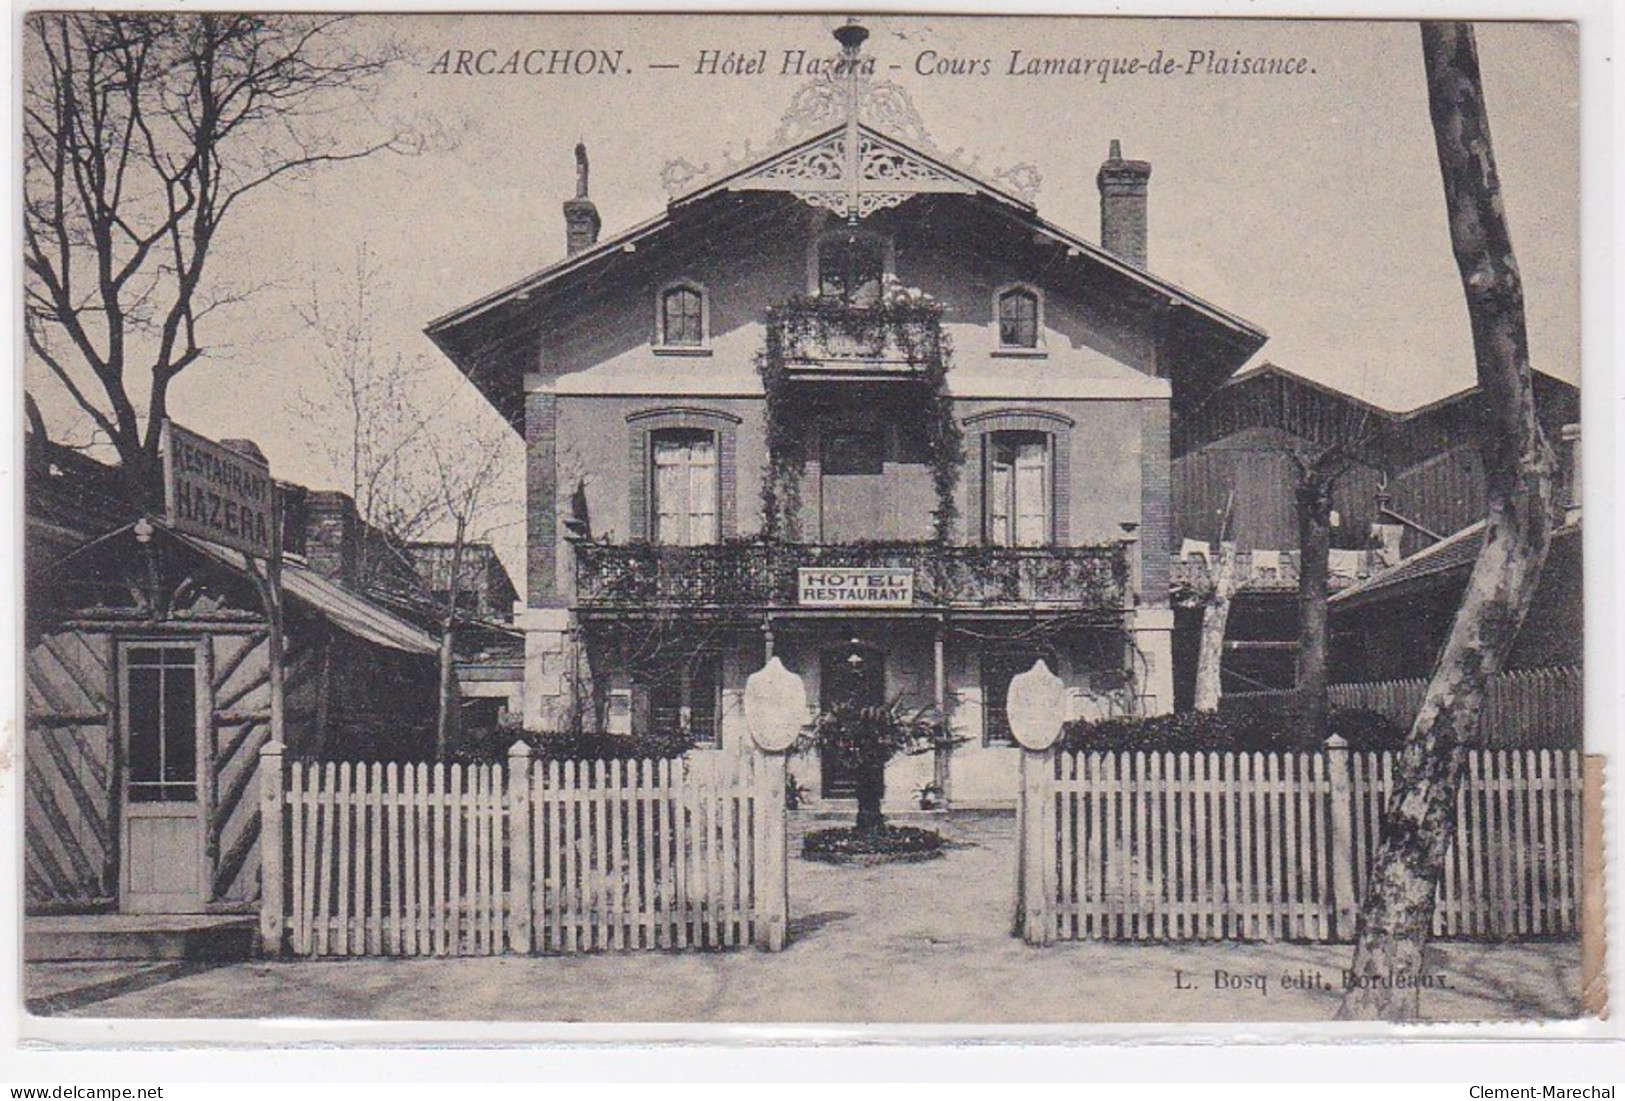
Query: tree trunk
point(871, 792)
point(1396, 917)
point(1314, 500)
point(1215, 617)
point(446, 711)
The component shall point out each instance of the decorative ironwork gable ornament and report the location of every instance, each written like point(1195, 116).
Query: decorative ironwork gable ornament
point(874, 151)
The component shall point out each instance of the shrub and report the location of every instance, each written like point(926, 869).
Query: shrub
point(1249, 729)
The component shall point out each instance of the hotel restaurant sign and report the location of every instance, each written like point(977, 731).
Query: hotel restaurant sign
point(866, 587)
point(216, 493)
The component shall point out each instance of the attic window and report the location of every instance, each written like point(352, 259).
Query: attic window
point(681, 320)
point(1019, 317)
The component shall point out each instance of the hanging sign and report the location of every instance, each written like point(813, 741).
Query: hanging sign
point(868, 587)
point(216, 493)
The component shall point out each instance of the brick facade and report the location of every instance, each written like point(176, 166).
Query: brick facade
point(541, 500)
point(1156, 503)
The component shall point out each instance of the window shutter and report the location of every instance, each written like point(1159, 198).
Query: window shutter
point(670, 492)
point(1000, 491)
point(702, 490)
point(1032, 493)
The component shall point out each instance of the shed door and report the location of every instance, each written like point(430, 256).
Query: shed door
point(160, 711)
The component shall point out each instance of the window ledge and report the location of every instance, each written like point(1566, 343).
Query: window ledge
point(1020, 353)
point(679, 350)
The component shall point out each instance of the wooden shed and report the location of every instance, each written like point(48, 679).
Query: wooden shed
point(148, 700)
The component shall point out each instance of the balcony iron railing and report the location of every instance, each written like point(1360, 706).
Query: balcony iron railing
point(830, 339)
point(766, 575)
point(1274, 571)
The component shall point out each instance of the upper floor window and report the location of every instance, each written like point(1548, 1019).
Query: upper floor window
point(851, 267)
point(682, 316)
point(1019, 489)
point(684, 486)
point(1018, 318)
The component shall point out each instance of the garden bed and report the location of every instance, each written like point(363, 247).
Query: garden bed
point(887, 845)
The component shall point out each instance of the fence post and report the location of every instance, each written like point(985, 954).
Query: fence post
point(772, 852)
point(1035, 872)
point(1592, 862)
point(273, 833)
point(1342, 810)
point(775, 711)
point(521, 823)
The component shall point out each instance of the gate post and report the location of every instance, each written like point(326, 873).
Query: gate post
point(1036, 706)
point(775, 712)
point(772, 852)
point(1035, 869)
point(521, 869)
point(273, 835)
point(1342, 813)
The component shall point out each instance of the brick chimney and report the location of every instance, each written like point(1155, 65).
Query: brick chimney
point(332, 534)
point(1122, 205)
point(581, 221)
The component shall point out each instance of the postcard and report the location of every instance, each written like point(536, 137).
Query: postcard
point(894, 520)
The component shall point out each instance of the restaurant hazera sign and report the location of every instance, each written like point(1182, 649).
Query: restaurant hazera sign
point(216, 493)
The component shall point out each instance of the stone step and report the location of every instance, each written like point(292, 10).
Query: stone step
point(216, 937)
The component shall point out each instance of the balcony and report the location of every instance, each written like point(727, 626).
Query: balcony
point(922, 576)
point(823, 339)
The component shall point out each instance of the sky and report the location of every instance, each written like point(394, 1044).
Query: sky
point(1308, 204)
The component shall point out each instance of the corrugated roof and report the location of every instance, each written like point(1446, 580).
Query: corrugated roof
point(351, 613)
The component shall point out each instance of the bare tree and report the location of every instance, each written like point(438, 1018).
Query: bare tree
point(415, 465)
point(142, 133)
point(372, 425)
point(1418, 828)
point(1216, 618)
point(1328, 443)
point(1320, 466)
point(469, 468)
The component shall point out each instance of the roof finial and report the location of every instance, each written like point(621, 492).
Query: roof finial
point(581, 170)
point(1116, 153)
point(851, 35)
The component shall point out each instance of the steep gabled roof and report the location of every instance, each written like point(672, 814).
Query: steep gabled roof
point(465, 334)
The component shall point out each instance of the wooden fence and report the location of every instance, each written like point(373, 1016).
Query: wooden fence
point(558, 856)
point(1524, 708)
point(1209, 846)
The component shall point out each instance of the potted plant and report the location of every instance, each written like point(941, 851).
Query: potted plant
point(864, 740)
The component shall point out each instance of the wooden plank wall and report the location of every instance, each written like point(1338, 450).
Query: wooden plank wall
point(1523, 709)
point(70, 818)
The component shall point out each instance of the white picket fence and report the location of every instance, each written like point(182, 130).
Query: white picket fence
point(558, 856)
point(1210, 846)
